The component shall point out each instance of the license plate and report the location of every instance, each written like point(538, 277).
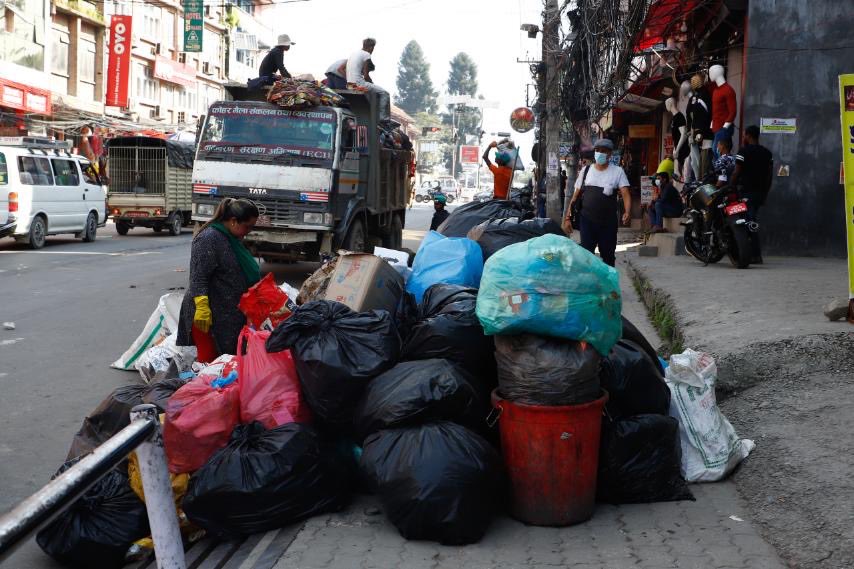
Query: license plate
point(735, 208)
point(136, 214)
point(264, 220)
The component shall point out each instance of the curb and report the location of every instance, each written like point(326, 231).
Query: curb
point(661, 311)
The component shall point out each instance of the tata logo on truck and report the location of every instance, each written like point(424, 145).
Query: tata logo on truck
point(257, 191)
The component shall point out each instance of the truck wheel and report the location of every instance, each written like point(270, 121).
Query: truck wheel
point(122, 227)
point(175, 224)
point(355, 240)
point(91, 228)
point(394, 238)
point(38, 232)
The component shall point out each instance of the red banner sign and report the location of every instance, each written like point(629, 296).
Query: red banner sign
point(469, 154)
point(24, 98)
point(174, 72)
point(118, 67)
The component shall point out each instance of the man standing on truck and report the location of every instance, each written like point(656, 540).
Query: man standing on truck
point(274, 61)
point(502, 172)
point(358, 76)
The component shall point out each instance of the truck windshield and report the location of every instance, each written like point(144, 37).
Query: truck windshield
point(263, 131)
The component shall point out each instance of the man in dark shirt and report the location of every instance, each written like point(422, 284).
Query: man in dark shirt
point(274, 62)
point(754, 167)
point(441, 214)
point(666, 202)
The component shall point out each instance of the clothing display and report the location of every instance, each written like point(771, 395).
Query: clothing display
point(724, 106)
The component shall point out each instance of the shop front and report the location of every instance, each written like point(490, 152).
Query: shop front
point(20, 103)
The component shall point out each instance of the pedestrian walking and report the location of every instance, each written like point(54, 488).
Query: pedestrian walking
point(221, 270)
point(597, 187)
point(754, 171)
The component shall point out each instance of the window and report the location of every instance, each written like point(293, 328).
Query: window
point(35, 171)
point(211, 46)
point(167, 37)
point(89, 173)
point(86, 69)
point(65, 172)
point(182, 117)
point(59, 61)
point(146, 85)
point(4, 172)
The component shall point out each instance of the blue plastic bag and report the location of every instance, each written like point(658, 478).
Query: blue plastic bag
point(551, 286)
point(446, 260)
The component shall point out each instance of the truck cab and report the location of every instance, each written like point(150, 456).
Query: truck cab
point(320, 176)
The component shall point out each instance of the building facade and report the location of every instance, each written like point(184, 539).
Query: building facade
point(249, 38)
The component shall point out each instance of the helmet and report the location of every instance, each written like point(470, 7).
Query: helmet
point(440, 198)
point(666, 166)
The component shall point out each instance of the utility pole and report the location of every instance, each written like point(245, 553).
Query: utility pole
point(552, 111)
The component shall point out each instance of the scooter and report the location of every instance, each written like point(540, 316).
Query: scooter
point(717, 224)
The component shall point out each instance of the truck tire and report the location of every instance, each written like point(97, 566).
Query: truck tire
point(394, 238)
point(38, 232)
point(122, 227)
point(91, 229)
point(175, 224)
point(356, 239)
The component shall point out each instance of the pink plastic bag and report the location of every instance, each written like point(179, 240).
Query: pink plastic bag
point(269, 385)
point(199, 421)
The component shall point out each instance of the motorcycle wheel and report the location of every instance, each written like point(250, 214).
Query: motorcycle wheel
point(418, 199)
point(739, 247)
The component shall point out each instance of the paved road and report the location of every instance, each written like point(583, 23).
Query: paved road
point(76, 307)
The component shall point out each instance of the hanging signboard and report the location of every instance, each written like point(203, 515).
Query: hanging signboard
point(641, 131)
point(846, 111)
point(522, 119)
point(646, 188)
point(469, 154)
point(778, 126)
point(194, 24)
point(118, 64)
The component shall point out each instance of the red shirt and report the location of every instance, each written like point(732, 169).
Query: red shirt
point(724, 106)
point(503, 176)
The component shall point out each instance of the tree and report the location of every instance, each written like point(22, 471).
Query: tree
point(414, 88)
point(462, 80)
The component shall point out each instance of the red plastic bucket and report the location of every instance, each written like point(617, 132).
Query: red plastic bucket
point(552, 457)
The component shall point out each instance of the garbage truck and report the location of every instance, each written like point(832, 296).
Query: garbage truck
point(150, 183)
point(321, 176)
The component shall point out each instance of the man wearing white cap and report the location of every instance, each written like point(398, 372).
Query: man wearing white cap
point(274, 61)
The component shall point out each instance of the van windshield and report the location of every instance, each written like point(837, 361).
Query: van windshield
point(233, 131)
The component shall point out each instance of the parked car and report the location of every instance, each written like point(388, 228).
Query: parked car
point(46, 190)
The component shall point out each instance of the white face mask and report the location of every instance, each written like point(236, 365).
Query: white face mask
point(658, 182)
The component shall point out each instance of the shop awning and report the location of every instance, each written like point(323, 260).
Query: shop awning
point(665, 18)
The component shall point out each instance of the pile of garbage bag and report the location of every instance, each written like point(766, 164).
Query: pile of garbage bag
point(494, 235)
point(466, 217)
point(445, 260)
point(292, 93)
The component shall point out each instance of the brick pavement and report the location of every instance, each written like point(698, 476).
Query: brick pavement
point(686, 535)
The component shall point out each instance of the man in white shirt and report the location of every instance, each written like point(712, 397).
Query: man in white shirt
point(358, 75)
point(336, 75)
point(597, 187)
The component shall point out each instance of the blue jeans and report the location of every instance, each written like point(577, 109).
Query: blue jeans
point(660, 210)
point(335, 82)
point(603, 235)
point(725, 132)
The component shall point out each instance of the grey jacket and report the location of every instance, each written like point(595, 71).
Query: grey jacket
point(215, 273)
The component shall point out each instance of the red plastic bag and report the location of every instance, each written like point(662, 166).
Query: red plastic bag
point(199, 421)
point(266, 301)
point(269, 385)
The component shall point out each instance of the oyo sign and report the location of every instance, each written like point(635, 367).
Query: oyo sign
point(118, 67)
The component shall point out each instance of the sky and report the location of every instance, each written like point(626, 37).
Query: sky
point(328, 30)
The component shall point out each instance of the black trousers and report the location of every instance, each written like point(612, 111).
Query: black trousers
point(602, 235)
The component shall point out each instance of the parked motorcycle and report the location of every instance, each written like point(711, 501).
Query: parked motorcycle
point(433, 192)
point(717, 224)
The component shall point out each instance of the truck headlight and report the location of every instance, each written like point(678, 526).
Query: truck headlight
point(328, 219)
point(205, 209)
point(313, 218)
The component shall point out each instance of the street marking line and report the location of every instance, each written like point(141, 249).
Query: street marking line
point(11, 342)
point(137, 254)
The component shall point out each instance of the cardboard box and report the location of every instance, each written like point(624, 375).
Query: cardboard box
point(365, 282)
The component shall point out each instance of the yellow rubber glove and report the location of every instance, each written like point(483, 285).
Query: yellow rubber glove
point(203, 317)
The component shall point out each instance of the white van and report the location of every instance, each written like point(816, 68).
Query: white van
point(46, 190)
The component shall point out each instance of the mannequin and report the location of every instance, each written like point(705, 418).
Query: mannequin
point(699, 125)
point(724, 107)
point(679, 133)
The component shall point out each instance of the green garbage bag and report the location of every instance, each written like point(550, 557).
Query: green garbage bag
point(551, 286)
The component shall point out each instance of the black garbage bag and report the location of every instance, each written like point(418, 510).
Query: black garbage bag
point(448, 328)
point(407, 314)
point(266, 479)
point(537, 370)
point(639, 461)
point(494, 235)
point(467, 216)
point(413, 393)
point(631, 333)
point(109, 417)
point(634, 384)
point(337, 352)
point(158, 394)
point(98, 529)
point(440, 481)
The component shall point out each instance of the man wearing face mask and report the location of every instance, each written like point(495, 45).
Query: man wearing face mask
point(666, 201)
point(597, 187)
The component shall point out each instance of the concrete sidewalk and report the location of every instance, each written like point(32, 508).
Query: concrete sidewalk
point(712, 532)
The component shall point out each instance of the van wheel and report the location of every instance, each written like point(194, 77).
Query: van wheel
point(175, 224)
point(355, 240)
point(38, 232)
point(91, 228)
point(122, 227)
